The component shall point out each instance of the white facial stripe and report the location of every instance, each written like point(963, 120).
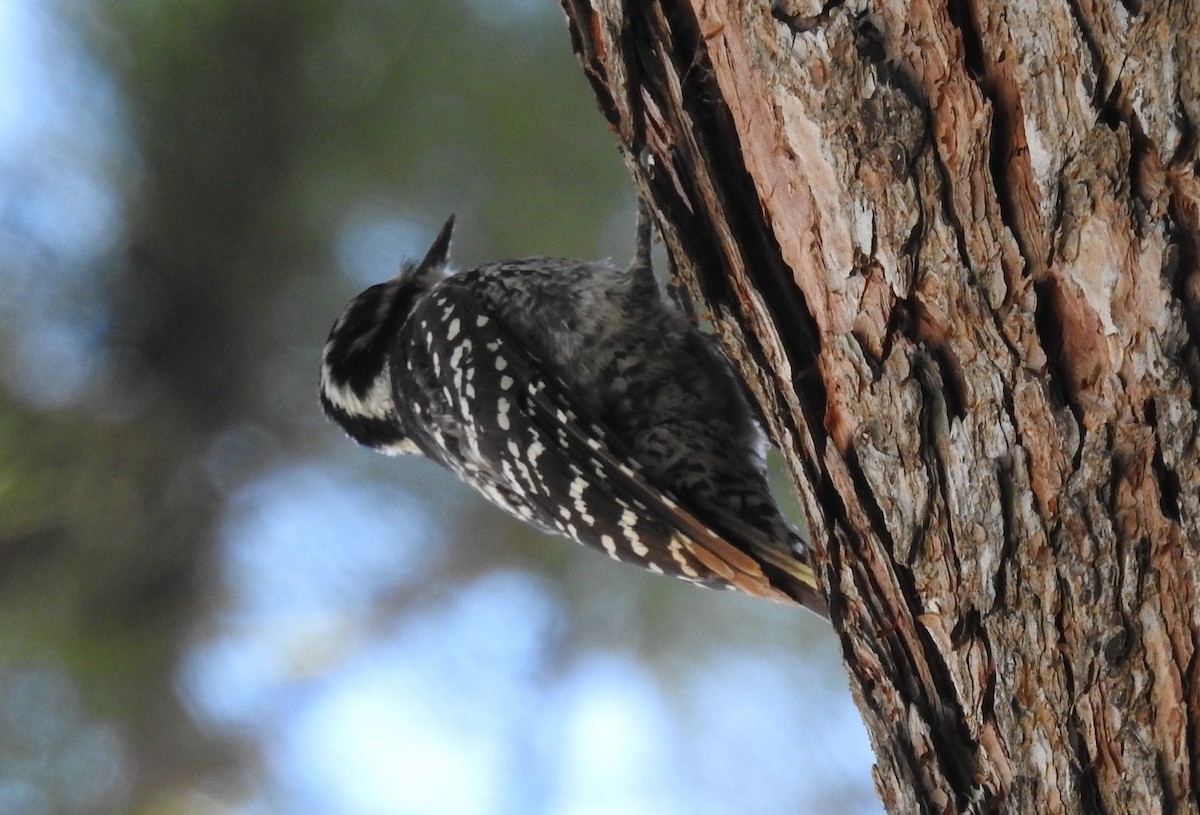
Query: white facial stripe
point(376, 403)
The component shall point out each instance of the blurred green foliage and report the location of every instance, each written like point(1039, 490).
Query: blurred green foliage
point(257, 128)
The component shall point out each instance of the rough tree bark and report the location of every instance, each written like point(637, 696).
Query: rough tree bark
point(952, 245)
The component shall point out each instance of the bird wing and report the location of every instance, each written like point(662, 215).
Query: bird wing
point(525, 444)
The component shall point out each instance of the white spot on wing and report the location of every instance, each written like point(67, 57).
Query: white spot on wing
point(609, 545)
point(535, 451)
point(675, 547)
point(459, 350)
point(502, 407)
point(578, 485)
point(628, 524)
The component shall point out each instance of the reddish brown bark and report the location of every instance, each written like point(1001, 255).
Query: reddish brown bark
point(953, 248)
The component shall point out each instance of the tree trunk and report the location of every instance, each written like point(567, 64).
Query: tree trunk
point(953, 249)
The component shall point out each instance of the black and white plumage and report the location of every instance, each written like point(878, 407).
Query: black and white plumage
point(569, 394)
